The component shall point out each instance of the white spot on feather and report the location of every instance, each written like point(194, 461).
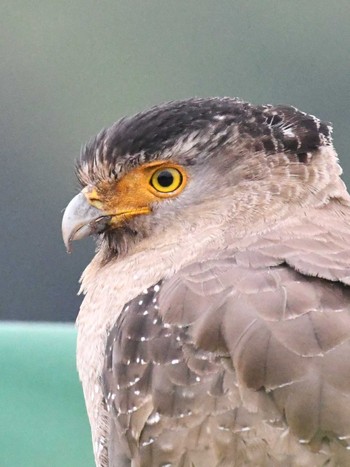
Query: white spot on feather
point(154, 418)
point(219, 118)
point(146, 443)
point(246, 428)
point(288, 132)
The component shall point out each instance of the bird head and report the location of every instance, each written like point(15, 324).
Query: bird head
point(180, 161)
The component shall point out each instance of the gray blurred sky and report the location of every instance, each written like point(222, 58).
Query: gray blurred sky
point(68, 68)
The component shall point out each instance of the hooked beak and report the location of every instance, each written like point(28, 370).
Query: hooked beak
point(81, 219)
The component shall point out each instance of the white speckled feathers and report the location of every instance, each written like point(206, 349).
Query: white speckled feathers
point(238, 359)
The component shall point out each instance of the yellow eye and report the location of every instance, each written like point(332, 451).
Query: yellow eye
point(166, 180)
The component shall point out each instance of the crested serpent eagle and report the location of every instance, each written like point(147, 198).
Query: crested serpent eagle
point(215, 328)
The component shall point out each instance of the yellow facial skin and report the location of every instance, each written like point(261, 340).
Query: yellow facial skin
point(136, 191)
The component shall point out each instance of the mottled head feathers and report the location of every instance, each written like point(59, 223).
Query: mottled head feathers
point(198, 127)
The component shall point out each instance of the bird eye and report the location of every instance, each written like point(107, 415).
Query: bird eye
point(166, 180)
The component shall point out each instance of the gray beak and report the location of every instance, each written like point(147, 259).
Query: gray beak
point(80, 220)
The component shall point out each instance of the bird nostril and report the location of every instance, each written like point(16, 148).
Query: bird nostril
point(94, 201)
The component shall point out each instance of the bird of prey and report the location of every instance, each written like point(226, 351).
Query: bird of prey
point(215, 328)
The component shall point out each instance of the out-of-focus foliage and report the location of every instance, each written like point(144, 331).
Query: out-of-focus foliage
point(69, 68)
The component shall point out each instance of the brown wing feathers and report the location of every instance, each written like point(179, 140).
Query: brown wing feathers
point(182, 355)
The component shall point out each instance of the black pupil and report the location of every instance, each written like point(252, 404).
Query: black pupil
point(165, 178)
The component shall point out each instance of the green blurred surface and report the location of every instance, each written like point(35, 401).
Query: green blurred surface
point(43, 422)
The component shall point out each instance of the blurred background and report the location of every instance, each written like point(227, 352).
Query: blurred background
point(69, 68)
